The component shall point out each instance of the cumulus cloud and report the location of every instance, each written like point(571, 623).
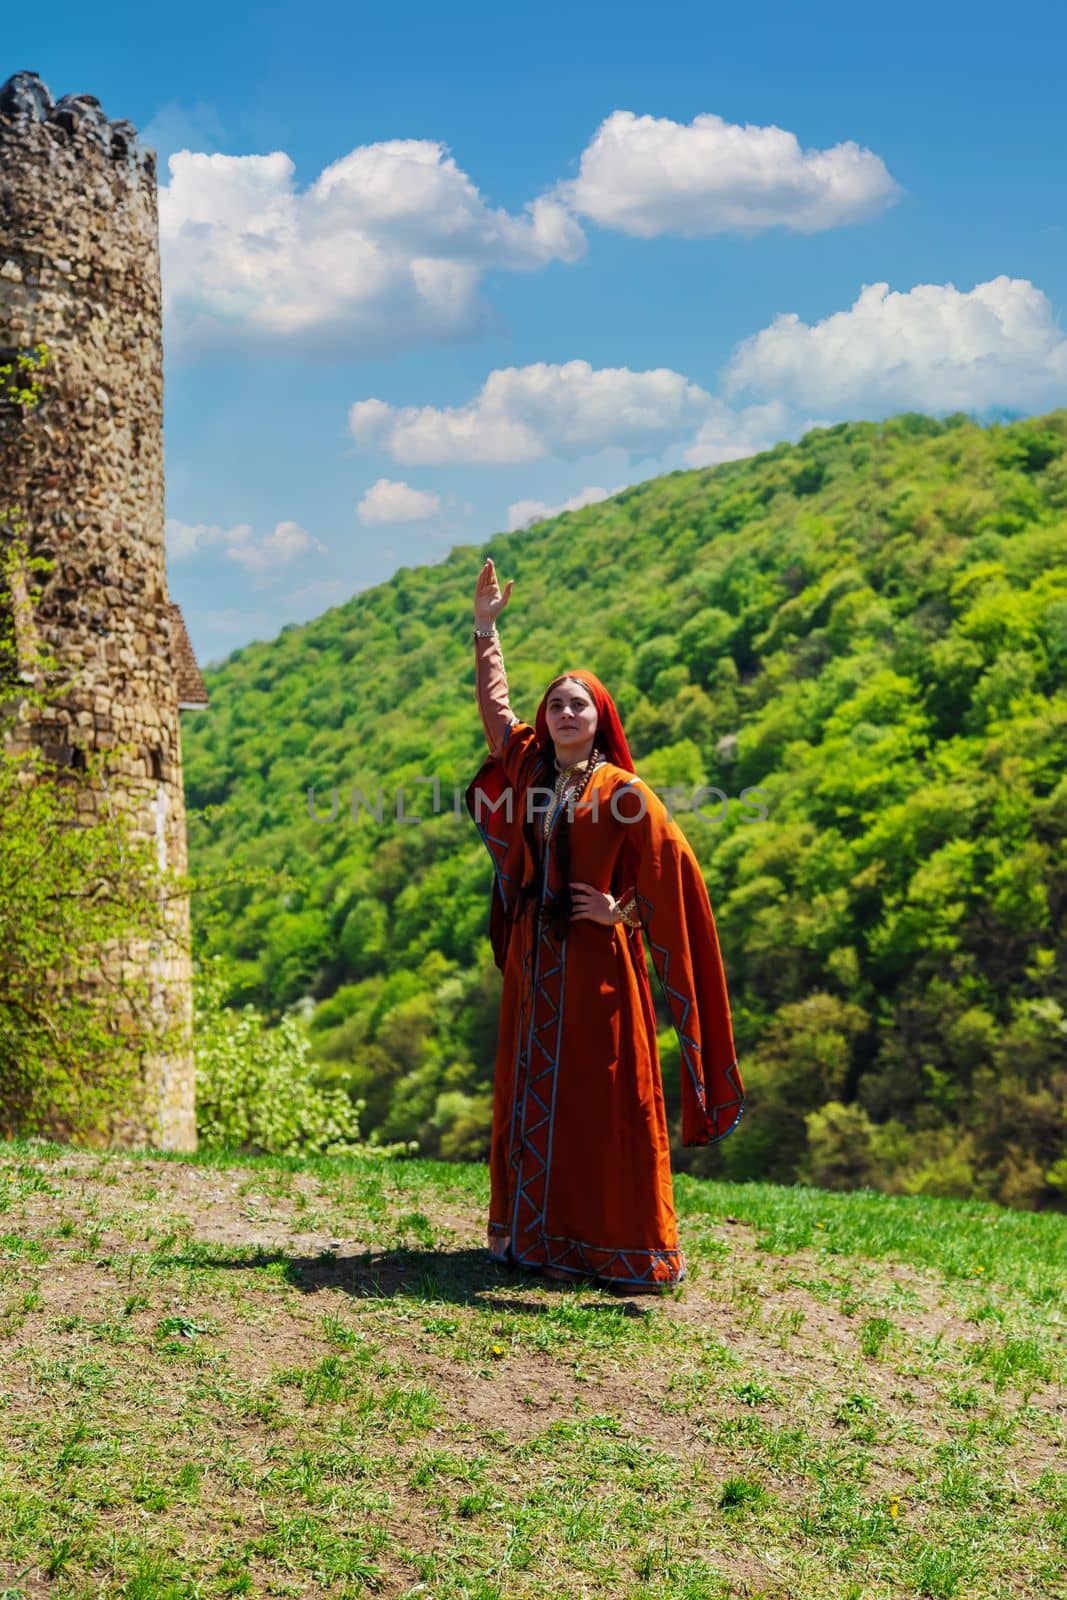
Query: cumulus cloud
point(932, 347)
point(386, 501)
point(524, 513)
point(648, 176)
point(521, 414)
point(184, 539)
point(729, 434)
point(386, 247)
point(285, 542)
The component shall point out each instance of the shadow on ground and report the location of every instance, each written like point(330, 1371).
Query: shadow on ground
point(462, 1277)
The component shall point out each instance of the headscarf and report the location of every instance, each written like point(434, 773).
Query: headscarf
point(609, 737)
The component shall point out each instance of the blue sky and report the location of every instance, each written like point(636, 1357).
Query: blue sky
point(430, 275)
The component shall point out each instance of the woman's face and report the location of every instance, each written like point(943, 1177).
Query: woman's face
point(572, 720)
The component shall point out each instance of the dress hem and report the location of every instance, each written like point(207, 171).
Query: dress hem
point(555, 1249)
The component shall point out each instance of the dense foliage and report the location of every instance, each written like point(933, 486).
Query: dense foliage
point(870, 626)
point(71, 895)
point(254, 1084)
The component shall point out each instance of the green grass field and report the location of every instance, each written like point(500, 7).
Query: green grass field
point(303, 1377)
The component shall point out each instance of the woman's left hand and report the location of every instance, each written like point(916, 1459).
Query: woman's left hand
point(592, 905)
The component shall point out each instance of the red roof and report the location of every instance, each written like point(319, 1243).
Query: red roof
point(191, 691)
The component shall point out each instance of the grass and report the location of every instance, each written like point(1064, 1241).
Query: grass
point(224, 1375)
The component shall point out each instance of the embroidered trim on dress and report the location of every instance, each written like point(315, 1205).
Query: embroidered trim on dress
point(642, 1269)
point(688, 1045)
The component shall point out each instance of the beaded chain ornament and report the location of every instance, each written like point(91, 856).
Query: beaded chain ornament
point(592, 762)
point(628, 904)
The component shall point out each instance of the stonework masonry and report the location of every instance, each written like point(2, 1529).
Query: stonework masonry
point(79, 272)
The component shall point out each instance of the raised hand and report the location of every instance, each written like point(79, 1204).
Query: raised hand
point(488, 600)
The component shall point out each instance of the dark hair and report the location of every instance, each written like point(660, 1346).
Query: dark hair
point(568, 677)
point(557, 912)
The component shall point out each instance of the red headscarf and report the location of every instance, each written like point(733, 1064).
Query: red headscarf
point(609, 737)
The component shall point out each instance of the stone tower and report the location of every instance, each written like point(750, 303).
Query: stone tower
point(79, 272)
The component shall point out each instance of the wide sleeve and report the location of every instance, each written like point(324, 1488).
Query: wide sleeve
point(499, 790)
point(676, 916)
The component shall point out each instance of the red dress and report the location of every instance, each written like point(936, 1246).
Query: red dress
point(580, 1158)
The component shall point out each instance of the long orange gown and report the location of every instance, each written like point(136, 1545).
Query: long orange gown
point(580, 1158)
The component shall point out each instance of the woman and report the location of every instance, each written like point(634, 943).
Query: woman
point(586, 857)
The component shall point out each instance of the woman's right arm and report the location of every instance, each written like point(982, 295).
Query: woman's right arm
point(491, 682)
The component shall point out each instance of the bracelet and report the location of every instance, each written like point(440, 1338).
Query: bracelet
point(627, 910)
point(485, 633)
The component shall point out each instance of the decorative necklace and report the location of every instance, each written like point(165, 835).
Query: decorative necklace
point(585, 770)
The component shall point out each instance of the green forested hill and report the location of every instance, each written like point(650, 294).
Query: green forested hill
point(870, 626)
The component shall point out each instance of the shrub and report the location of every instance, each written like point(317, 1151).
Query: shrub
point(255, 1085)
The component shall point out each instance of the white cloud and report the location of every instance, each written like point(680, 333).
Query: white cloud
point(386, 247)
point(386, 501)
point(521, 414)
point(932, 347)
point(276, 549)
point(524, 513)
point(729, 435)
point(648, 176)
point(184, 539)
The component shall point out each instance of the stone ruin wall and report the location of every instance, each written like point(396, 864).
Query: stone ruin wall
point(79, 272)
